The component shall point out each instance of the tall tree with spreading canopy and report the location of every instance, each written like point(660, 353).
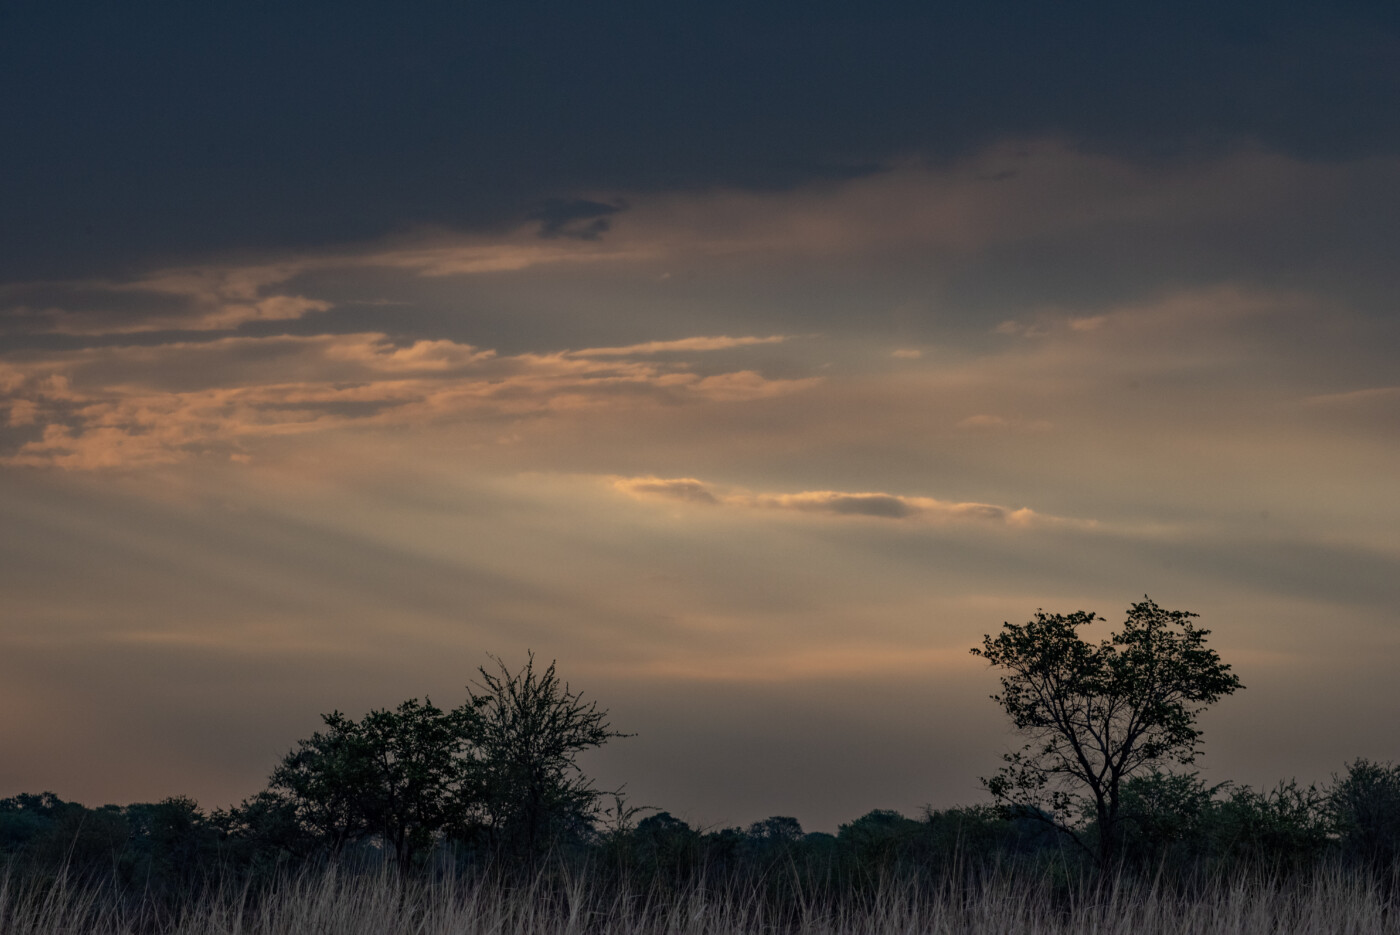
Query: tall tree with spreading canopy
point(1095, 714)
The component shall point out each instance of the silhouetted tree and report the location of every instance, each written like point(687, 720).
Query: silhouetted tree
point(401, 776)
point(779, 829)
point(665, 841)
point(52, 837)
point(1097, 713)
point(173, 847)
point(527, 728)
point(265, 832)
point(1364, 807)
point(660, 852)
point(502, 766)
point(880, 839)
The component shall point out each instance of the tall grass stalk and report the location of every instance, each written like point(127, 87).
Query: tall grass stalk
point(331, 902)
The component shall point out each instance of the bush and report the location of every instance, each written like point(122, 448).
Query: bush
point(1284, 829)
point(1166, 818)
point(1364, 807)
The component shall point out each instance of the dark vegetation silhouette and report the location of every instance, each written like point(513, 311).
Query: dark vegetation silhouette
point(525, 730)
point(1096, 714)
point(491, 789)
point(496, 774)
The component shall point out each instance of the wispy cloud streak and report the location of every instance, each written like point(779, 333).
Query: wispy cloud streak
point(873, 505)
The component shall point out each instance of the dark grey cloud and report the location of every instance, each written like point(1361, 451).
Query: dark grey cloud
point(168, 130)
point(578, 218)
point(866, 504)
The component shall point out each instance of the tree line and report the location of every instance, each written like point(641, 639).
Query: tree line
point(494, 784)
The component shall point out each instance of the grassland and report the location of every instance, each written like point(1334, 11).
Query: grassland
point(1325, 902)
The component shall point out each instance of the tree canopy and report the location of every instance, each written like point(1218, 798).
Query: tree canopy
point(396, 774)
point(1097, 713)
point(499, 770)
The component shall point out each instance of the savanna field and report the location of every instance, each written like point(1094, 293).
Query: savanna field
point(478, 819)
point(373, 904)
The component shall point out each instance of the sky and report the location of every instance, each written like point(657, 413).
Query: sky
point(750, 360)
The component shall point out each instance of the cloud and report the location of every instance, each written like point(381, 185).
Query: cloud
point(717, 343)
point(205, 298)
point(377, 353)
point(1067, 234)
point(886, 506)
point(217, 296)
point(675, 108)
point(882, 506)
point(742, 385)
point(983, 421)
point(274, 308)
point(23, 412)
point(1053, 191)
point(988, 421)
point(891, 506)
point(579, 219)
point(137, 405)
point(1362, 397)
point(675, 488)
point(454, 255)
point(1372, 412)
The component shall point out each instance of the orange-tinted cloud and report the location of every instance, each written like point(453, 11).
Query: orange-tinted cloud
point(883, 506)
point(719, 343)
point(124, 407)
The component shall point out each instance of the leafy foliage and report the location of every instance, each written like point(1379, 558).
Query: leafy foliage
point(1166, 816)
point(1095, 714)
point(499, 771)
point(1284, 828)
point(1364, 808)
point(402, 776)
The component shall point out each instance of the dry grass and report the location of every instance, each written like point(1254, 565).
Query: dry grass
point(1330, 903)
